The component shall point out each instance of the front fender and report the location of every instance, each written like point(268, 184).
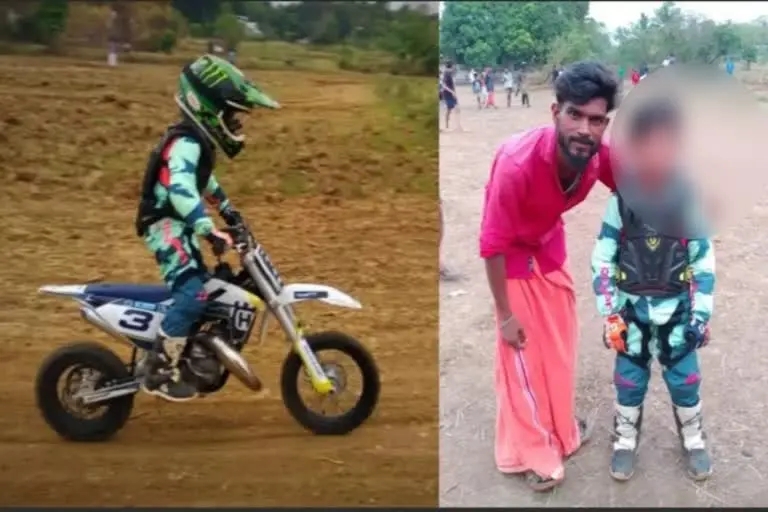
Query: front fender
point(298, 292)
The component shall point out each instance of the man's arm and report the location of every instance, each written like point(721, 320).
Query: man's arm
point(501, 218)
point(604, 260)
point(701, 255)
point(183, 160)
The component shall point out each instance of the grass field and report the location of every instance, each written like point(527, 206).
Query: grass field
point(340, 185)
point(270, 55)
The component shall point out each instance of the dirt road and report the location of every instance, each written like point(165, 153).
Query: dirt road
point(734, 390)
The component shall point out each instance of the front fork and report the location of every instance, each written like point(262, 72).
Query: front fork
point(292, 328)
point(295, 332)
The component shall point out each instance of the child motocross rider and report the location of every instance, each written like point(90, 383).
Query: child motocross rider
point(654, 273)
point(211, 93)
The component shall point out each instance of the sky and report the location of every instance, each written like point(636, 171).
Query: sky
point(618, 14)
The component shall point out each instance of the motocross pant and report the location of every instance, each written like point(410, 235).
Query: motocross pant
point(679, 361)
point(178, 255)
point(683, 380)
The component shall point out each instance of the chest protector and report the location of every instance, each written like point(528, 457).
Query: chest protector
point(649, 263)
point(149, 212)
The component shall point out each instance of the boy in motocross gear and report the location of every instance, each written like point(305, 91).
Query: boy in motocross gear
point(171, 213)
point(654, 279)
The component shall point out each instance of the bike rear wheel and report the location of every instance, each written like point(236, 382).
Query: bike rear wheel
point(82, 364)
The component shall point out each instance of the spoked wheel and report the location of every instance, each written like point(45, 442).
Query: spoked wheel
point(351, 369)
point(75, 369)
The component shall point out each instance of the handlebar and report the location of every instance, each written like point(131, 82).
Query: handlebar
point(242, 239)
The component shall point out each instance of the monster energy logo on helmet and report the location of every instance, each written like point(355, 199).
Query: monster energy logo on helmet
point(211, 92)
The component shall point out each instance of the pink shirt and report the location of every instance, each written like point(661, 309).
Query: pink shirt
point(524, 202)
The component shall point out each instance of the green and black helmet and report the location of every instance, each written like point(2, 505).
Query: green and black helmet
point(211, 93)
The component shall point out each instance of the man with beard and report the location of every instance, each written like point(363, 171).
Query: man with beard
point(536, 177)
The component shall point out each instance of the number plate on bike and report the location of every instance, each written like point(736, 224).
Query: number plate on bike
point(268, 268)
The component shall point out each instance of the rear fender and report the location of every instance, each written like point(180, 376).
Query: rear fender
point(75, 291)
point(88, 311)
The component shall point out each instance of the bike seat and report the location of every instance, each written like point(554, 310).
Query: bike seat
point(153, 293)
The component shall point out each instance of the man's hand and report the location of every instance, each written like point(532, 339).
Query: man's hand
point(219, 241)
point(696, 334)
point(232, 217)
point(615, 333)
point(510, 330)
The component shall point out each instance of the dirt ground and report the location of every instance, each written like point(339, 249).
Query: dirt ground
point(734, 389)
point(74, 139)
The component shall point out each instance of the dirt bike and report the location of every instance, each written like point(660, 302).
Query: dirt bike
point(99, 388)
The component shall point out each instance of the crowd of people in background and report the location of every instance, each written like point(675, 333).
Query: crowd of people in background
point(483, 84)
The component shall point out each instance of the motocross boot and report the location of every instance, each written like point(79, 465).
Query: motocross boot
point(163, 377)
point(626, 435)
point(692, 439)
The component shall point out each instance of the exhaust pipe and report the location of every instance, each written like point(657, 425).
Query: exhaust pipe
point(104, 394)
point(232, 361)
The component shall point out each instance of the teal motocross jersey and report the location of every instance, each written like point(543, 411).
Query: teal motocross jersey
point(177, 184)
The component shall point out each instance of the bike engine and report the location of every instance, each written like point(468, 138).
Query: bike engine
point(205, 369)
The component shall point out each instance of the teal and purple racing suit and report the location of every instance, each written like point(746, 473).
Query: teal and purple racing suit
point(172, 216)
point(658, 284)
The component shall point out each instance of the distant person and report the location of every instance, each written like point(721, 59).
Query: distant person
point(635, 77)
point(445, 273)
point(490, 100)
point(622, 74)
point(112, 54)
point(522, 89)
point(483, 88)
point(450, 97)
point(729, 66)
point(509, 86)
point(477, 90)
point(643, 70)
point(472, 75)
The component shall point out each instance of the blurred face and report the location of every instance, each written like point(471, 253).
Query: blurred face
point(654, 155)
point(580, 129)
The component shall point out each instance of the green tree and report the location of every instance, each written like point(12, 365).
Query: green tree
point(229, 28)
point(483, 33)
point(749, 54)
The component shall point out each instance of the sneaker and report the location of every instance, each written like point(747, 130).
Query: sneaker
point(627, 422)
point(693, 441)
point(622, 464)
point(164, 380)
point(699, 464)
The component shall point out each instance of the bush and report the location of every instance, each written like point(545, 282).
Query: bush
point(151, 27)
point(87, 24)
point(229, 28)
point(156, 27)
